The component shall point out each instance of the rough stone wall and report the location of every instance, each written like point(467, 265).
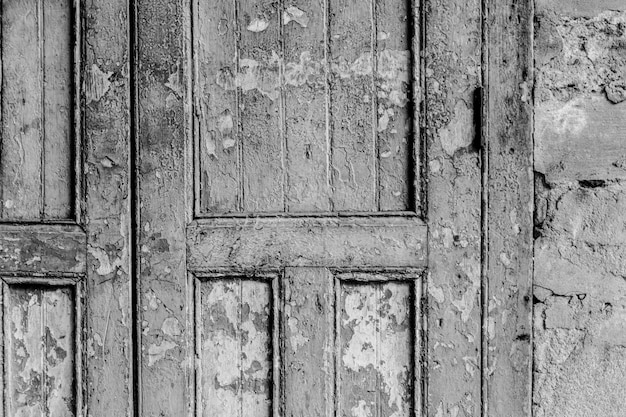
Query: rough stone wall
point(580, 200)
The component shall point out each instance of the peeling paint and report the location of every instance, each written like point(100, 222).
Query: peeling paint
point(376, 345)
point(293, 14)
point(158, 352)
point(97, 84)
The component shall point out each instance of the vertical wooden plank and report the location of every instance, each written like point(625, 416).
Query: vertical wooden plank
point(26, 373)
point(22, 112)
point(308, 307)
point(351, 98)
point(452, 75)
point(260, 106)
point(395, 107)
point(358, 376)
point(509, 207)
point(59, 341)
point(162, 78)
point(236, 353)
point(106, 97)
point(58, 108)
point(217, 115)
point(304, 27)
point(377, 367)
point(220, 354)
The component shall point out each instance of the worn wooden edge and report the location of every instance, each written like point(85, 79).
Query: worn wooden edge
point(262, 243)
point(507, 262)
point(43, 248)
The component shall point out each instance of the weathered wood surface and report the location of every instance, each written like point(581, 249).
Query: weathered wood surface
point(108, 323)
point(582, 139)
point(366, 242)
point(216, 109)
point(452, 77)
point(43, 249)
point(507, 347)
point(306, 95)
point(375, 338)
point(234, 331)
point(305, 108)
point(308, 328)
point(580, 8)
point(39, 335)
point(36, 165)
point(165, 342)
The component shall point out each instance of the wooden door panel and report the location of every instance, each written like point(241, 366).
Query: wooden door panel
point(304, 110)
point(235, 344)
point(65, 209)
point(38, 107)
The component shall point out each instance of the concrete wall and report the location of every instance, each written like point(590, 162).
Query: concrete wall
point(580, 218)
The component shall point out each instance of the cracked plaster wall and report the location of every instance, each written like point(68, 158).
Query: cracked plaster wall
point(580, 218)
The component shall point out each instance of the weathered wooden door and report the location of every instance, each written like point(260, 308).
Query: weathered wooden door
point(312, 209)
point(65, 210)
point(255, 208)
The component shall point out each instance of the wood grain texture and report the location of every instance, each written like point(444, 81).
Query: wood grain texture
point(394, 73)
point(107, 327)
point(235, 335)
point(375, 338)
point(307, 242)
point(22, 112)
point(306, 89)
point(308, 368)
point(261, 106)
point(324, 115)
point(37, 110)
point(507, 347)
point(216, 108)
point(162, 77)
point(452, 49)
point(43, 249)
point(39, 351)
point(582, 139)
point(58, 108)
point(351, 106)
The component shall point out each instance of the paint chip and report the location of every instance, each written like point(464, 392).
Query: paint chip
point(258, 25)
point(294, 14)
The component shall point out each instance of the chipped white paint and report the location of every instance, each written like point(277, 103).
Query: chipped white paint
point(258, 25)
point(471, 269)
point(41, 373)
point(393, 72)
point(235, 360)
point(293, 14)
point(105, 267)
point(158, 352)
point(97, 84)
point(376, 321)
point(456, 135)
point(296, 338)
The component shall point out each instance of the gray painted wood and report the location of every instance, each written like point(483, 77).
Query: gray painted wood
point(43, 249)
point(107, 321)
point(508, 221)
point(37, 175)
point(324, 242)
point(165, 341)
point(452, 78)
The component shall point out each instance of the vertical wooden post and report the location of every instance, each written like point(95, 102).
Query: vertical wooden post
point(508, 208)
